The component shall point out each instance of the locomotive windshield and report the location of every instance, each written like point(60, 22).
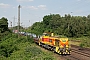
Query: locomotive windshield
point(45, 34)
point(63, 40)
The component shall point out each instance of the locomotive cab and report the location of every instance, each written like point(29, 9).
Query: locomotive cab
point(62, 46)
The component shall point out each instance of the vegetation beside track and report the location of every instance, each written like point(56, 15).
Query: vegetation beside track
point(23, 48)
point(82, 41)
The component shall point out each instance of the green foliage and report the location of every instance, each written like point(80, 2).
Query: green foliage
point(81, 45)
point(37, 28)
point(32, 52)
point(85, 42)
point(48, 58)
point(22, 48)
point(70, 26)
point(7, 45)
point(30, 39)
point(3, 25)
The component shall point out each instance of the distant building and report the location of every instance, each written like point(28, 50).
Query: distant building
point(15, 31)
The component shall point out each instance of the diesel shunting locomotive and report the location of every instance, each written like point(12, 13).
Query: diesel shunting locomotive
point(55, 44)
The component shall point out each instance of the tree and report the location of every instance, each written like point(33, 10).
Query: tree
point(71, 26)
point(3, 24)
point(37, 28)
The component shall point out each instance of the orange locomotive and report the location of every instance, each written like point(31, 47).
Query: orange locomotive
point(58, 45)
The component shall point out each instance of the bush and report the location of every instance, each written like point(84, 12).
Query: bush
point(30, 39)
point(34, 51)
point(23, 48)
point(81, 45)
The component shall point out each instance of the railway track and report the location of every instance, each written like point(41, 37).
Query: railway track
point(77, 53)
point(84, 49)
point(81, 52)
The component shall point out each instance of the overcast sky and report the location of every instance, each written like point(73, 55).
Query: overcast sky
point(34, 10)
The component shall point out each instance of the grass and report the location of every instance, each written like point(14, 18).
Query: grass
point(74, 43)
point(84, 41)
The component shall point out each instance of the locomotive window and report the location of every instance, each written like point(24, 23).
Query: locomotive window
point(63, 40)
point(46, 34)
point(50, 40)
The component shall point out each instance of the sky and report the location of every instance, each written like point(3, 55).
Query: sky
point(32, 11)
